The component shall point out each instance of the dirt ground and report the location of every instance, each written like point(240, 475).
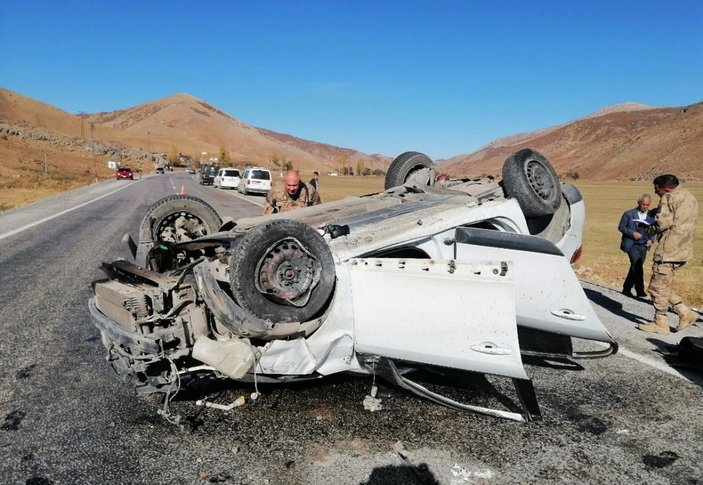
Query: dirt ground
point(31, 171)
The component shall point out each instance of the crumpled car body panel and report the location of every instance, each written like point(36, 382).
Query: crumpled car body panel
point(423, 277)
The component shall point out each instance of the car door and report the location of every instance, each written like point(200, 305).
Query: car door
point(446, 313)
point(548, 296)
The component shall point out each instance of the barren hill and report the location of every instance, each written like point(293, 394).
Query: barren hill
point(187, 124)
point(29, 112)
point(622, 142)
point(182, 123)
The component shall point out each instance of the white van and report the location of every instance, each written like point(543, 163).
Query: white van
point(255, 180)
point(226, 178)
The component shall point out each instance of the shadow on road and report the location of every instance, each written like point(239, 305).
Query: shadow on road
point(599, 298)
point(343, 389)
point(552, 363)
point(687, 367)
point(401, 475)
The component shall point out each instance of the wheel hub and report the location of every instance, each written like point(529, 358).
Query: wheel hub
point(539, 179)
point(287, 272)
point(181, 227)
point(420, 176)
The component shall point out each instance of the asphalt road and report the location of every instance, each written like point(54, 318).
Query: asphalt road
point(64, 418)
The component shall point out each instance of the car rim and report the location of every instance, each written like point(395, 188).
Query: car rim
point(180, 227)
point(539, 179)
point(287, 272)
point(419, 175)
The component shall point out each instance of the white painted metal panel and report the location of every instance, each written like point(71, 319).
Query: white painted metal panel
point(441, 312)
point(548, 296)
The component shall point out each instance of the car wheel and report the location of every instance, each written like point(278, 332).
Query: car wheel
point(532, 181)
point(282, 271)
point(178, 218)
point(410, 168)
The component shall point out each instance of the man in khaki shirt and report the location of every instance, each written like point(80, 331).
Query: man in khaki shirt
point(287, 195)
point(676, 225)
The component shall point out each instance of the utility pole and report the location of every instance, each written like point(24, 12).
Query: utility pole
point(83, 116)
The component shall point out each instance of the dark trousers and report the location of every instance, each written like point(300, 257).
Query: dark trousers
point(635, 276)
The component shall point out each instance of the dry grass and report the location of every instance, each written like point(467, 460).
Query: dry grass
point(335, 188)
point(602, 260)
point(32, 171)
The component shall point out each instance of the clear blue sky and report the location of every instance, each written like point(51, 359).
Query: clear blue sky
point(441, 77)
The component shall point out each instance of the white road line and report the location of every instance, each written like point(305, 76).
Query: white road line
point(651, 362)
point(41, 221)
point(234, 193)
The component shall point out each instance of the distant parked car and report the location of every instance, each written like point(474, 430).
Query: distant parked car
point(124, 173)
point(160, 170)
point(190, 171)
point(207, 175)
point(226, 178)
point(256, 180)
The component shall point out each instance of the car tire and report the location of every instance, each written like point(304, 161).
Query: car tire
point(164, 212)
point(282, 271)
point(531, 179)
point(405, 166)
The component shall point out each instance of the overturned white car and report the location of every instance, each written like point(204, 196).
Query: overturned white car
point(468, 274)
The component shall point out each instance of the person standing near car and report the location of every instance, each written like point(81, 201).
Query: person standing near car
point(675, 222)
point(287, 195)
point(314, 185)
point(636, 242)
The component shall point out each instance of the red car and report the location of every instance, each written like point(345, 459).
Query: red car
point(124, 173)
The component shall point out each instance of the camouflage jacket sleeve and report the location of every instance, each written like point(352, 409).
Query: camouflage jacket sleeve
point(274, 199)
point(678, 212)
point(665, 214)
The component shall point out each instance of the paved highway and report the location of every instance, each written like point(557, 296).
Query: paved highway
point(64, 418)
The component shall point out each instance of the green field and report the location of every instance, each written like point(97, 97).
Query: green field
point(602, 261)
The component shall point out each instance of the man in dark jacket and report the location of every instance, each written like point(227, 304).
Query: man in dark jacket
point(635, 242)
point(314, 186)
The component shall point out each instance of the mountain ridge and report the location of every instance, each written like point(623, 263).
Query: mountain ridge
point(621, 142)
point(184, 123)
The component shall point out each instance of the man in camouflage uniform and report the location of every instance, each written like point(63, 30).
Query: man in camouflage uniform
point(676, 225)
point(288, 195)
